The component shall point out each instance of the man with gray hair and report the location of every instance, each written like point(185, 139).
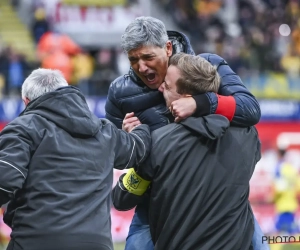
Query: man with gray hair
point(56, 163)
point(149, 46)
point(200, 170)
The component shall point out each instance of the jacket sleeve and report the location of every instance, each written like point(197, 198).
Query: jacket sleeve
point(122, 199)
point(244, 109)
point(15, 155)
point(112, 107)
point(131, 149)
point(131, 188)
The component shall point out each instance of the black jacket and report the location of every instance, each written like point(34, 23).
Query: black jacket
point(201, 170)
point(56, 168)
point(129, 94)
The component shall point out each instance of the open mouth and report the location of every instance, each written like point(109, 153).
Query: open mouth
point(150, 77)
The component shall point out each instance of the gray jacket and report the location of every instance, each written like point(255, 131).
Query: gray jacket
point(56, 171)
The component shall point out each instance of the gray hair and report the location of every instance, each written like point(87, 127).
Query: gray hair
point(42, 81)
point(144, 31)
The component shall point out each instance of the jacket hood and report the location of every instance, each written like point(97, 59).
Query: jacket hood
point(67, 108)
point(210, 126)
point(180, 43)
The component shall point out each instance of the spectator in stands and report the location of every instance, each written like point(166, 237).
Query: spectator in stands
point(149, 47)
point(83, 68)
point(246, 14)
point(285, 196)
point(291, 63)
point(296, 37)
point(207, 7)
point(55, 50)
point(40, 25)
point(105, 71)
point(56, 168)
point(15, 69)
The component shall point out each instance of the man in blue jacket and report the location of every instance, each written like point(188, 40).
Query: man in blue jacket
point(149, 47)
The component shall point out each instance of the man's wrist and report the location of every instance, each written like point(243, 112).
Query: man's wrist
point(203, 105)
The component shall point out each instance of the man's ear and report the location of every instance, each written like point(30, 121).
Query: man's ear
point(169, 48)
point(25, 100)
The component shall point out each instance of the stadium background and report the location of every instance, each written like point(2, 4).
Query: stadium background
point(260, 39)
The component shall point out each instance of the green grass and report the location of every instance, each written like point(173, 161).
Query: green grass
point(119, 246)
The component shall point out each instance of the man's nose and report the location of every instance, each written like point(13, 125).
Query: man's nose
point(142, 67)
point(161, 88)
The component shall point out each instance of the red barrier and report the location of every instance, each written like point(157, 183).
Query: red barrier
point(268, 132)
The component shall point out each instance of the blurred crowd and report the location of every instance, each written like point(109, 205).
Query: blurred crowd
point(235, 29)
point(286, 194)
point(90, 69)
point(247, 33)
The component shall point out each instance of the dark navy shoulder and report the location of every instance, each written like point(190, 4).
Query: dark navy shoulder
point(213, 59)
point(127, 95)
point(125, 87)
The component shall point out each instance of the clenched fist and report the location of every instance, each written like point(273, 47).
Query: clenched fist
point(183, 108)
point(130, 122)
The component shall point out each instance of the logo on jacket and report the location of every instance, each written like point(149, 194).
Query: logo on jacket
point(133, 181)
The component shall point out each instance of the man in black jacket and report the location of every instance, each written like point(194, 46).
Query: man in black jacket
point(149, 47)
point(200, 170)
point(56, 163)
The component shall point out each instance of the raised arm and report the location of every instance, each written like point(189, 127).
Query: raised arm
point(130, 149)
point(132, 186)
point(233, 99)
